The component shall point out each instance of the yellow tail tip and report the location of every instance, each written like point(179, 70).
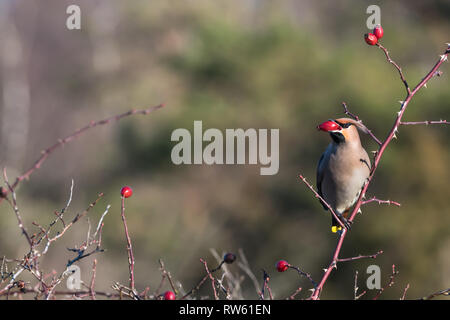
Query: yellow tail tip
point(335, 229)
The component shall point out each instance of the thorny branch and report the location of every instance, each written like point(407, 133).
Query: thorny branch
point(391, 135)
point(304, 274)
point(356, 118)
point(408, 90)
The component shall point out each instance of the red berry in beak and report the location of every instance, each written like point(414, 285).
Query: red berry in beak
point(371, 39)
point(126, 192)
point(378, 32)
point(282, 265)
point(329, 126)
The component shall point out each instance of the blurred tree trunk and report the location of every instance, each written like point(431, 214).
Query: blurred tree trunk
point(15, 106)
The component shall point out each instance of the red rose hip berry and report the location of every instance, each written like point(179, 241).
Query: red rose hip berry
point(378, 32)
point(169, 295)
point(126, 192)
point(282, 265)
point(371, 39)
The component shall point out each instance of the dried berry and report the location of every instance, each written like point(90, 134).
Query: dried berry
point(229, 258)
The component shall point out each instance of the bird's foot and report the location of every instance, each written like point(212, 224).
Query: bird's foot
point(347, 223)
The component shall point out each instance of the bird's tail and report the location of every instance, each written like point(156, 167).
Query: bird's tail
point(335, 226)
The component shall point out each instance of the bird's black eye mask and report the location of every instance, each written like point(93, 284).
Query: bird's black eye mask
point(343, 125)
point(338, 137)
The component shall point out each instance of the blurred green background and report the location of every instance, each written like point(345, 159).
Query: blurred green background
point(231, 64)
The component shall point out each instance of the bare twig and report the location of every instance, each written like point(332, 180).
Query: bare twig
point(200, 283)
point(372, 256)
point(360, 295)
point(92, 285)
point(225, 290)
point(408, 90)
point(355, 290)
point(196, 288)
point(445, 292)
point(355, 117)
point(245, 266)
point(390, 283)
point(81, 254)
point(16, 209)
point(124, 290)
point(129, 247)
point(167, 274)
point(373, 199)
point(100, 222)
point(234, 282)
point(304, 274)
point(69, 201)
point(323, 200)
point(292, 296)
point(404, 292)
point(79, 293)
point(45, 153)
point(427, 122)
point(59, 216)
point(265, 286)
point(67, 227)
point(216, 297)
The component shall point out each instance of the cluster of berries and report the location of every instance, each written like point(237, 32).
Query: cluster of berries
point(372, 38)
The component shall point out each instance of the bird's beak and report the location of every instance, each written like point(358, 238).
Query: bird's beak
point(329, 126)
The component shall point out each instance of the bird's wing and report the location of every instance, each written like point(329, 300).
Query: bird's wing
point(319, 178)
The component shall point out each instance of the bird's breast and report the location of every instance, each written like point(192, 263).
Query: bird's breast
point(344, 178)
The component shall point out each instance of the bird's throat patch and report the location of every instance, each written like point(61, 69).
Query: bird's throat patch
point(337, 137)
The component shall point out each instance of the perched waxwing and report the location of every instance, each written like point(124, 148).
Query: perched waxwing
point(343, 168)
